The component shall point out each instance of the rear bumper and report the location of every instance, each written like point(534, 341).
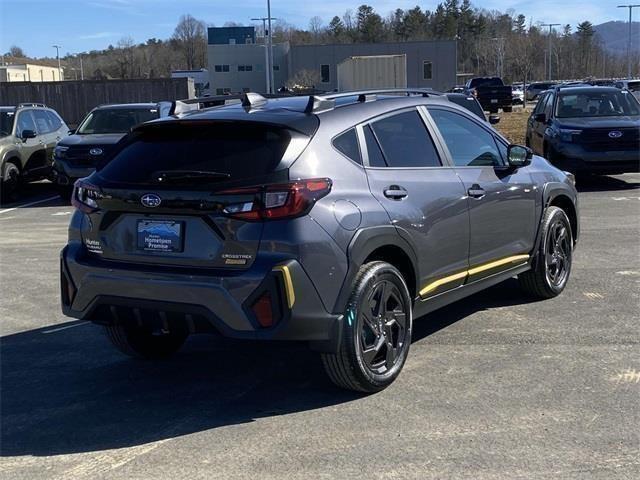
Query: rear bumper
point(202, 301)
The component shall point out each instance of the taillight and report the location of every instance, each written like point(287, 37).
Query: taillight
point(85, 196)
point(275, 202)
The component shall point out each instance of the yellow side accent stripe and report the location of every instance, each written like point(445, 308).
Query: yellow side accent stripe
point(288, 285)
point(498, 263)
point(472, 271)
point(442, 281)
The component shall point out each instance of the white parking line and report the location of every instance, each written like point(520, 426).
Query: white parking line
point(30, 204)
point(54, 330)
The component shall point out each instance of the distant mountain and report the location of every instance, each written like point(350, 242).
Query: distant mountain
point(614, 36)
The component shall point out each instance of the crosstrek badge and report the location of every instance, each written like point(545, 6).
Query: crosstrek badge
point(236, 259)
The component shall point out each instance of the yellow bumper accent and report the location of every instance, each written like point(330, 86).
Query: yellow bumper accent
point(288, 285)
point(472, 271)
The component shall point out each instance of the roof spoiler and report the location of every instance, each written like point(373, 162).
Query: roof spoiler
point(248, 100)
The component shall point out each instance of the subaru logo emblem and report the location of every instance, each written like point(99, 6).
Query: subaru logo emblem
point(615, 134)
point(95, 151)
point(151, 200)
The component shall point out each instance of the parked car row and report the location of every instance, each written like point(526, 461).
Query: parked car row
point(577, 126)
point(36, 143)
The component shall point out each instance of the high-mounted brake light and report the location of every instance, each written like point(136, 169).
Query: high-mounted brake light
point(85, 196)
point(275, 202)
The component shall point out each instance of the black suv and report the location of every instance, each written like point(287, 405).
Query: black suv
point(77, 155)
point(587, 129)
point(335, 220)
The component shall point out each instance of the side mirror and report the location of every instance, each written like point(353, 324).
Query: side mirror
point(540, 117)
point(27, 134)
point(494, 119)
point(519, 156)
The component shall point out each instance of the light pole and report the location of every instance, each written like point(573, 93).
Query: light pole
point(267, 57)
point(270, 46)
point(58, 47)
point(550, 25)
point(630, 7)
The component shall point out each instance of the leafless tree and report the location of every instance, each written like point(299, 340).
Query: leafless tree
point(190, 37)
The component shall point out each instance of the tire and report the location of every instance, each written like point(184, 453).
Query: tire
point(10, 181)
point(141, 342)
point(552, 264)
point(376, 334)
point(507, 109)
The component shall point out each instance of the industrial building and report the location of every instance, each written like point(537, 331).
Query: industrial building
point(236, 63)
point(30, 73)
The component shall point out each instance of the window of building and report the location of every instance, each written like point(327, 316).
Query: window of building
point(325, 76)
point(223, 91)
point(276, 68)
point(405, 141)
point(245, 68)
point(221, 68)
point(427, 70)
point(347, 144)
point(232, 41)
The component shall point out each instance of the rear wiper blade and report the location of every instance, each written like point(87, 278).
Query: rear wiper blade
point(169, 176)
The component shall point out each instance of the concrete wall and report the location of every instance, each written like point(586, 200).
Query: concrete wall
point(30, 73)
point(242, 55)
point(73, 99)
point(442, 54)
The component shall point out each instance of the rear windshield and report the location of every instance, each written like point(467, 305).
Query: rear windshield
point(487, 82)
point(242, 151)
point(596, 104)
point(115, 120)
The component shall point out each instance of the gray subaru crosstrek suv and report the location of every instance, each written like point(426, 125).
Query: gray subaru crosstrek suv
point(334, 220)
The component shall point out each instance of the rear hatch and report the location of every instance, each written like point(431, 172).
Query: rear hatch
point(184, 193)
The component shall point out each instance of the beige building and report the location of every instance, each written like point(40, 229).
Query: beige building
point(30, 73)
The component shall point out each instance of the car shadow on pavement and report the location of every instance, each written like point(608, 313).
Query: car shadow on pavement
point(66, 390)
point(602, 183)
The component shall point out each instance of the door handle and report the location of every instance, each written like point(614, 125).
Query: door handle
point(476, 191)
point(395, 192)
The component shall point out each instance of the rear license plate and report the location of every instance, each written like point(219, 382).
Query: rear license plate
point(160, 235)
point(494, 100)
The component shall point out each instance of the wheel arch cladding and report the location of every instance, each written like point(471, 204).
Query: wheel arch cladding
point(379, 243)
point(564, 202)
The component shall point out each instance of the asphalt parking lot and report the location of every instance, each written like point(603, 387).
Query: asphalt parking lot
point(495, 387)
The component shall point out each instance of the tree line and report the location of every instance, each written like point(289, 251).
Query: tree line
point(489, 43)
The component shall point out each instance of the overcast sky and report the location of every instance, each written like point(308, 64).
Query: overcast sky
point(83, 25)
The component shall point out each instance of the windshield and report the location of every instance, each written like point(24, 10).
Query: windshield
point(596, 104)
point(633, 86)
point(115, 120)
point(6, 123)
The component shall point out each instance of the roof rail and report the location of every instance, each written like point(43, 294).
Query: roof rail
point(31, 104)
point(366, 95)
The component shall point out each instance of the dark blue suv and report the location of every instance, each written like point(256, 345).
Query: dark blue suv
point(587, 129)
point(333, 220)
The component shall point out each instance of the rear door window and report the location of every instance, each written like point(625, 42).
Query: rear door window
point(242, 151)
point(405, 141)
